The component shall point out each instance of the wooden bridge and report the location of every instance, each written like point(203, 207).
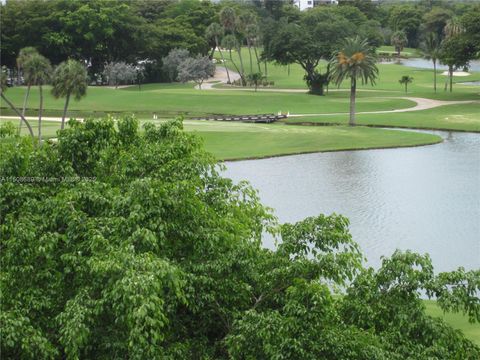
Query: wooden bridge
point(261, 118)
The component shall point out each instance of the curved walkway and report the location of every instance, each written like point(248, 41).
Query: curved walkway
point(421, 103)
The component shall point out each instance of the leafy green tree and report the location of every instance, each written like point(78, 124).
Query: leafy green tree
point(313, 38)
point(435, 20)
point(216, 32)
point(354, 61)
point(405, 80)
point(120, 72)
point(129, 243)
point(172, 61)
point(406, 18)
point(431, 51)
point(196, 69)
point(456, 52)
point(399, 41)
point(69, 78)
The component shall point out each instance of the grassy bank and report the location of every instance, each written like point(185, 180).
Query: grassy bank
point(456, 320)
point(462, 117)
point(241, 141)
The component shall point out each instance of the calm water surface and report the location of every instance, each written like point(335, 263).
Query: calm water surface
point(426, 199)
point(427, 64)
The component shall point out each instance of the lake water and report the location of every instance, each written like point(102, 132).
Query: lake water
point(426, 199)
point(427, 64)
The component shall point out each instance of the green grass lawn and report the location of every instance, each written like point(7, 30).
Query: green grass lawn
point(170, 100)
point(456, 320)
point(389, 74)
point(406, 52)
point(464, 117)
point(241, 140)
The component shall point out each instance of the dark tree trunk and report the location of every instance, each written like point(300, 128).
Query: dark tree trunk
point(223, 60)
point(353, 89)
point(40, 111)
point(25, 100)
point(30, 130)
point(435, 75)
point(258, 60)
point(450, 72)
point(65, 111)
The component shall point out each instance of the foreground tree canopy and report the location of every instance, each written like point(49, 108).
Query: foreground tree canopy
point(120, 243)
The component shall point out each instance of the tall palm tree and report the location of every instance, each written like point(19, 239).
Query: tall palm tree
point(355, 60)
point(40, 71)
point(230, 42)
point(69, 78)
point(3, 88)
point(399, 41)
point(431, 51)
point(22, 59)
point(215, 31)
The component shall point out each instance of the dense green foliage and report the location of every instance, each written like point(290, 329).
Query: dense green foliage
point(125, 244)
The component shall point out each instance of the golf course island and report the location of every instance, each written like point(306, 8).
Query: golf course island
point(128, 129)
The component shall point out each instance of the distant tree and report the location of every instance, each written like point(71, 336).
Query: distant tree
point(405, 80)
point(119, 72)
point(216, 32)
point(255, 78)
point(196, 69)
point(3, 89)
point(230, 43)
point(40, 73)
point(456, 52)
point(453, 27)
point(435, 20)
point(407, 18)
point(315, 37)
point(23, 57)
point(69, 78)
point(399, 41)
point(431, 51)
point(354, 61)
point(171, 62)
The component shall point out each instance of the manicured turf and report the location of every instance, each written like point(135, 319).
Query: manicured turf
point(254, 141)
point(451, 117)
point(406, 52)
point(457, 321)
point(170, 100)
point(240, 140)
point(389, 74)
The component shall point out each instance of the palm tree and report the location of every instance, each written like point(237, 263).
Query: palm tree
point(215, 31)
point(230, 42)
point(431, 51)
point(22, 59)
point(69, 78)
point(405, 80)
point(3, 88)
point(356, 60)
point(40, 71)
point(453, 27)
point(399, 41)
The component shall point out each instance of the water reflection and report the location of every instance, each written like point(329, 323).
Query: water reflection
point(426, 198)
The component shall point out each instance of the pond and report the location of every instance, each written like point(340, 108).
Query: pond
point(427, 64)
point(426, 199)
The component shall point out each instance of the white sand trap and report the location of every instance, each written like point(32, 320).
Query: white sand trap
point(457, 73)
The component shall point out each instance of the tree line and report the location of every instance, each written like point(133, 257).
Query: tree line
point(99, 32)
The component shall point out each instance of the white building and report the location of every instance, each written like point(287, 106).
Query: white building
point(308, 4)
